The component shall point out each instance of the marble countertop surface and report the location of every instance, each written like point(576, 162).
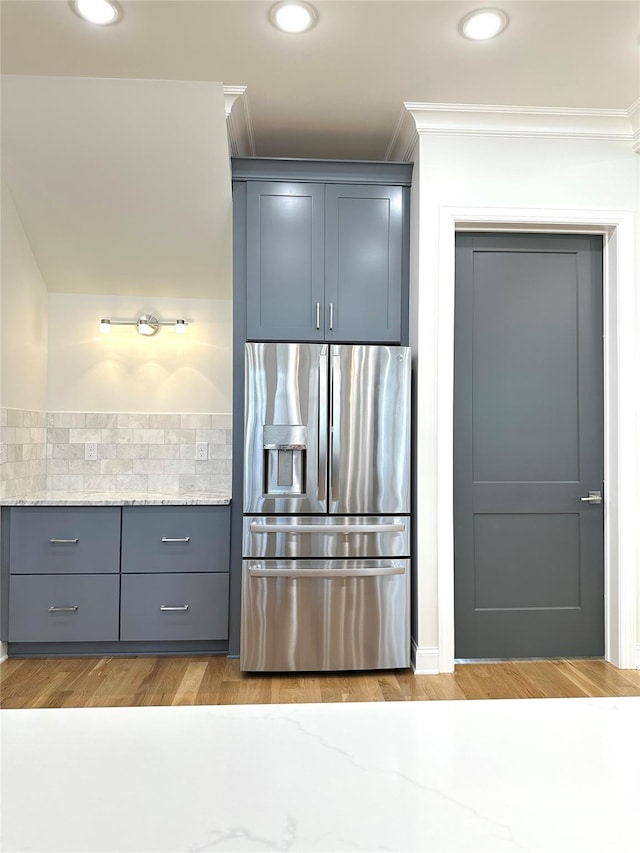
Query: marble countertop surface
point(544, 775)
point(214, 497)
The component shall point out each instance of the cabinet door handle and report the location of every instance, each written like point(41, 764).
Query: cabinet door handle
point(54, 609)
point(64, 541)
point(167, 607)
point(166, 539)
point(317, 315)
point(331, 315)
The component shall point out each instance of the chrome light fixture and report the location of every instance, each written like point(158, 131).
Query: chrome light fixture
point(97, 11)
point(293, 16)
point(146, 325)
point(483, 24)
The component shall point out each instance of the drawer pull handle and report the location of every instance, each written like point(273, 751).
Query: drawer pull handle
point(64, 541)
point(166, 539)
point(166, 607)
point(54, 609)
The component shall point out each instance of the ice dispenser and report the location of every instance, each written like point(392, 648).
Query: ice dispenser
point(285, 459)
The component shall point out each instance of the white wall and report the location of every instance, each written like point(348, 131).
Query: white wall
point(126, 372)
point(24, 317)
point(23, 321)
point(477, 171)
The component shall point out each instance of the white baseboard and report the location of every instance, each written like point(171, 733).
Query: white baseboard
point(638, 656)
point(425, 660)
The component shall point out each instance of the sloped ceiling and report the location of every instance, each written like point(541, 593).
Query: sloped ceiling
point(122, 186)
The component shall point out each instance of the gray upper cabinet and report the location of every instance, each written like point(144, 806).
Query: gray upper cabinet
point(325, 259)
point(363, 275)
point(285, 261)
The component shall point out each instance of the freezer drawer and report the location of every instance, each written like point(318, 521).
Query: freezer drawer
point(314, 615)
point(296, 537)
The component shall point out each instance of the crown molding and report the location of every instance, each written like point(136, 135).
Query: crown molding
point(634, 116)
point(404, 139)
point(525, 122)
point(239, 126)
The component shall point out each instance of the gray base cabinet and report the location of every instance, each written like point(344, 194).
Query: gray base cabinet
point(57, 608)
point(65, 540)
point(116, 574)
point(174, 607)
point(175, 539)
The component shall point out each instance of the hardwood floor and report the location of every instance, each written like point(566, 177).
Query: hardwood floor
point(112, 682)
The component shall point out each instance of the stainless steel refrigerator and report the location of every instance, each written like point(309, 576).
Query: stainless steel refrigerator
point(325, 570)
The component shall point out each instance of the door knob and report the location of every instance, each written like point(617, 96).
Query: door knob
point(593, 498)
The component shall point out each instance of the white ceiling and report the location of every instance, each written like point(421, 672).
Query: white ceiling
point(337, 90)
point(154, 215)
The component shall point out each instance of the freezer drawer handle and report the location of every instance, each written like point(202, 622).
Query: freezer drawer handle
point(258, 527)
point(54, 609)
point(166, 607)
point(64, 541)
point(166, 539)
point(379, 571)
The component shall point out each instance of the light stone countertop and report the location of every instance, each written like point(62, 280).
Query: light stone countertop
point(215, 497)
point(538, 775)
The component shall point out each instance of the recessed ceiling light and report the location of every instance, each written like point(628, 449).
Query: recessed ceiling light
point(293, 17)
point(97, 11)
point(483, 24)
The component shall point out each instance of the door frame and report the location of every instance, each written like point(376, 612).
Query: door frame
point(620, 381)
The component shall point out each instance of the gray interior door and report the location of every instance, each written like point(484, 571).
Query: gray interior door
point(528, 446)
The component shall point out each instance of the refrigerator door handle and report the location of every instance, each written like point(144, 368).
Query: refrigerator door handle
point(265, 527)
point(336, 382)
point(379, 571)
point(322, 425)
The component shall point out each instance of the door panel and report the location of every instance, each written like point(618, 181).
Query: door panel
point(369, 429)
point(525, 388)
point(363, 263)
point(285, 427)
point(285, 261)
point(546, 548)
point(528, 444)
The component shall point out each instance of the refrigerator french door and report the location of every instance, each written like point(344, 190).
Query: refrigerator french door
point(325, 582)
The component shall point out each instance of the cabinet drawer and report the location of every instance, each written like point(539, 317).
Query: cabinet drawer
point(174, 607)
point(61, 608)
point(65, 540)
point(175, 539)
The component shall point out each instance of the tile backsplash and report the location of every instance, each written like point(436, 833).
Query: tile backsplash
point(23, 452)
point(135, 451)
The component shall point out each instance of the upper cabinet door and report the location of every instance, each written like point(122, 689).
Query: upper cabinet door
point(364, 243)
point(285, 261)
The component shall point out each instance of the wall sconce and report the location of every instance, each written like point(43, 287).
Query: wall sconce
point(146, 325)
